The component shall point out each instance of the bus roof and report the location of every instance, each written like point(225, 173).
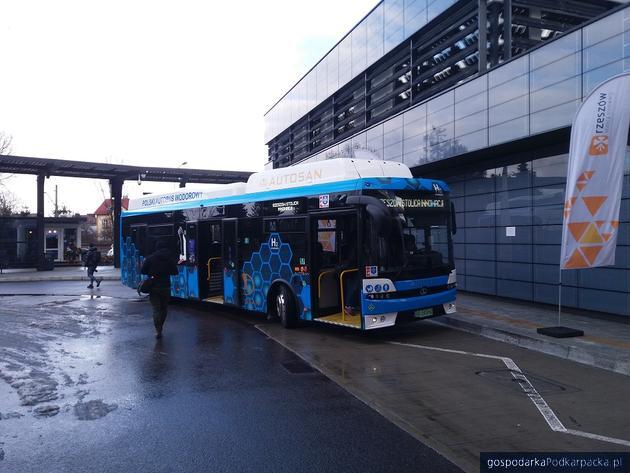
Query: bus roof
point(333, 175)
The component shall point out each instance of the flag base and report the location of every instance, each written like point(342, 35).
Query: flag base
point(560, 332)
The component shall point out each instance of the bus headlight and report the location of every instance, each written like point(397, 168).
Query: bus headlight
point(452, 277)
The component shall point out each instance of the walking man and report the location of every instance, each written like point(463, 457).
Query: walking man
point(160, 266)
point(92, 260)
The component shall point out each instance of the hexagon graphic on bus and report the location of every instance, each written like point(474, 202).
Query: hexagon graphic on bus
point(229, 289)
point(271, 262)
point(184, 285)
point(131, 265)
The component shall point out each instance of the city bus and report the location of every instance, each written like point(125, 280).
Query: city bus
point(357, 243)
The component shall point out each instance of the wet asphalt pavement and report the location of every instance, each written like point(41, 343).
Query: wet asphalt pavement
point(84, 386)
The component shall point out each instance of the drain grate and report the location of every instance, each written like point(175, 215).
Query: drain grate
point(542, 385)
point(298, 367)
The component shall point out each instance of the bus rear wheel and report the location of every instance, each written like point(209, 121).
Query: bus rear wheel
point(285, 307)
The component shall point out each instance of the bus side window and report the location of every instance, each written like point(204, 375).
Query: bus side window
point(215, 240)
point(327, 241)
point(161, 232)
point(249, 236)
point(191, 243)
point(138, 237)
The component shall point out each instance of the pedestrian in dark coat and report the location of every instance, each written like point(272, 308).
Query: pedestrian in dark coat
point(92, 260)
point(160, 266)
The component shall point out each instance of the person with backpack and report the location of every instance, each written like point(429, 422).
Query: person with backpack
point(92, 260)
point(159, 266)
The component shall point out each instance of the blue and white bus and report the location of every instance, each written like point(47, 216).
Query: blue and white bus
point(357, 243)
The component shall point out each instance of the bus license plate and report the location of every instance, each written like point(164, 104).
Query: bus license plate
point(419, 314)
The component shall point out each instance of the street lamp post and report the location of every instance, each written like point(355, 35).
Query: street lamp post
point(183, 163)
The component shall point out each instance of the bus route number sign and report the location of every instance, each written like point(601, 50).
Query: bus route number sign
point(371, 271)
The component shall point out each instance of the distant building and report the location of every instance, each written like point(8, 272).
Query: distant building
point(104, 220)
point(18, 244)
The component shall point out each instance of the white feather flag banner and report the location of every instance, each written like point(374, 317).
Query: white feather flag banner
point(595, 176)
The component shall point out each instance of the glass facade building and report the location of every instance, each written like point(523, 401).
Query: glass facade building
point(414, 83)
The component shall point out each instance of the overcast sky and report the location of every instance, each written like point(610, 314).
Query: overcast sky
point(152, 82)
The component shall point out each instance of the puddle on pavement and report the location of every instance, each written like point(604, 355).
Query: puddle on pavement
point(48, 353)
point(10, 402)
point(36, 391)
point(93, 410)
point(47, 411)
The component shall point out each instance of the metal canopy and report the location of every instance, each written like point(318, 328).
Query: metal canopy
point(66, 168)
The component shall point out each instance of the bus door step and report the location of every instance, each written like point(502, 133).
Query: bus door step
point(338, 319)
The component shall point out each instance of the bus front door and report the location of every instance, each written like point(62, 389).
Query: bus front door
point(210, 261)
point(335, 272)
point(230, 262)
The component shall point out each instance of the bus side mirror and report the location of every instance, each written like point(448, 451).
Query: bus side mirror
point(453, 219)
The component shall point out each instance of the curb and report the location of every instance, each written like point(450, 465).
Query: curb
point(607, 359)
point(55, 278)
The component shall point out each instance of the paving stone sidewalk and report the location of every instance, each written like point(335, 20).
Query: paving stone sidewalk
point(605, 344)
point(62, 273)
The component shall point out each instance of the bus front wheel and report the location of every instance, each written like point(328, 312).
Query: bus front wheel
point(285, 307)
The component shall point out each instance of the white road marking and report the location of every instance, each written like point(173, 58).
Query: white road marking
point(547, 412)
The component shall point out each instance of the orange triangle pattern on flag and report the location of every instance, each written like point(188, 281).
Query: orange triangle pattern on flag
point(591, 235)
point(606, 236)
point(594, 203)
point(591, 252)
point(577, 229)
point(568, 205)
point(576, 261)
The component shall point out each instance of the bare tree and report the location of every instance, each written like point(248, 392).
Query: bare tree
point(8, 201)
point(5, 143)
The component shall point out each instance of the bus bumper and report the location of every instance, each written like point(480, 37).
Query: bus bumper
point(386, 312)
point(386, 306)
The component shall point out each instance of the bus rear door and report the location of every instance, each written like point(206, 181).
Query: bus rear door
point(230, 262)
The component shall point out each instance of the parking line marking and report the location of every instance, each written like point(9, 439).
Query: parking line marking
point(547, 412)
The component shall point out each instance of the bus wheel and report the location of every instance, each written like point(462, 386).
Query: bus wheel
point(285, 307)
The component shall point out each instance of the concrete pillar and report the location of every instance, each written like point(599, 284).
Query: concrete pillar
point(115, 187)
point(41, 237)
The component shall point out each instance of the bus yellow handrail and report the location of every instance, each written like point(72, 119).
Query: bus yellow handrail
point(319, 281)
point(210, 262)
point(343, 305)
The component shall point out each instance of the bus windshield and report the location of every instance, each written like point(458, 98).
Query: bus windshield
point(425, 240)
point(418, 240)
